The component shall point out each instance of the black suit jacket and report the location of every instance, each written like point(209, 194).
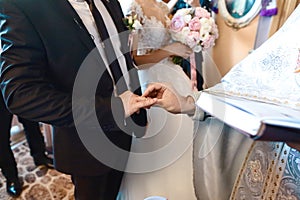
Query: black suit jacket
point(44, 45)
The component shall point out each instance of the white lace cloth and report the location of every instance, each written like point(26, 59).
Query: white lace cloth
point(267, 74)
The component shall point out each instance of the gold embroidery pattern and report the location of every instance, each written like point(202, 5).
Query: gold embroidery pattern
point(255, 175)
point(271, 171)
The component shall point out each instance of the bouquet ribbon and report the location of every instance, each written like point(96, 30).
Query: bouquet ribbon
point(193, 72)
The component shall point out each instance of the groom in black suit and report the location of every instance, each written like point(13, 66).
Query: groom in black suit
point(46, 78)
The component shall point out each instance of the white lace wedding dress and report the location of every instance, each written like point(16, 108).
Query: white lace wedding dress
point(161, 161)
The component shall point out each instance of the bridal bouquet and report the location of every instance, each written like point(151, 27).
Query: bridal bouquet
point(194, 27)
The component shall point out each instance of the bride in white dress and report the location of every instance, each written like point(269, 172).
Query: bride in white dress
point(161, 161)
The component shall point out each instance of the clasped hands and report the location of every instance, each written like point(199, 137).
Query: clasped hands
point(158, 94)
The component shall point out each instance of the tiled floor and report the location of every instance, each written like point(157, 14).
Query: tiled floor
point(40, 183)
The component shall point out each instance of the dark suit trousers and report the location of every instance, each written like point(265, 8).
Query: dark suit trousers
point(103, 187)
point(33, 135)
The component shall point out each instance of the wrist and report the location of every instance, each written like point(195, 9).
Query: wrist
point(189, 107)
point(168, 51)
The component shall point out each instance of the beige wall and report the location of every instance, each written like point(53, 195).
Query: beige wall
point(234, 45)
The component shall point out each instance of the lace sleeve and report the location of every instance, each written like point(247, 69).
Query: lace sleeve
point(153, 34)
point(137, 10)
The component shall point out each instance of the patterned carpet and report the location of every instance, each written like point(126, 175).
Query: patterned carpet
point(40, 183)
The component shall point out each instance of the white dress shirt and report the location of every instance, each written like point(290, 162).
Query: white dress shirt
point(82, 9)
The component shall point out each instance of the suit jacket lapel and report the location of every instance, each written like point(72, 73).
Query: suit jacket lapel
point(66, 9)
point(115, 11)
point(113, 7)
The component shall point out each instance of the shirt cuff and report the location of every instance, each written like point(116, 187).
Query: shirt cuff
point(199, 114)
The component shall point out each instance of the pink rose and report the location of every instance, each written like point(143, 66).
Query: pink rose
point(195, 24)
point(209, 42)
point(201, 12)
point(177, 23)
point(192, 39)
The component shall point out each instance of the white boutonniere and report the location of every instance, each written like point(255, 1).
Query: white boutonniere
point(132, 22)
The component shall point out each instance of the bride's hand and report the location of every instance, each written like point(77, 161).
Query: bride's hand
point(178, 49)
point(169, 99)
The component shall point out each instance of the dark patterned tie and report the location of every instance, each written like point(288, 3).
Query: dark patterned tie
point(108, 49)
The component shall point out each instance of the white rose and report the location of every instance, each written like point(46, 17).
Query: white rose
point(187, 18)
point(185, 31)
point(183, 11)
point(184, 34)
point(206, 25)
point(177, 36)
point(204, 35)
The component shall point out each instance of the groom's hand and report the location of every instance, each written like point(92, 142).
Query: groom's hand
point(133, 103)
